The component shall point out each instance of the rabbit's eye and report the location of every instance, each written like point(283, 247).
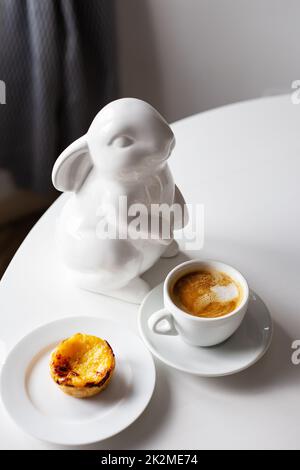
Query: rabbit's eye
point(122, 141)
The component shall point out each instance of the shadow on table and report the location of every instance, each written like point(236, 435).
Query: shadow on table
point(159, 271)
point(274, 368)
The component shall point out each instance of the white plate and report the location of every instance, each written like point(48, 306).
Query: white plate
point(243, 349)
point(37, 405)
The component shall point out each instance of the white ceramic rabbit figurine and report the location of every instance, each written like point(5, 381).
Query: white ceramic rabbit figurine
point(124, 154)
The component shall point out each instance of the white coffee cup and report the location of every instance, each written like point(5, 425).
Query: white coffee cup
point(199, 331)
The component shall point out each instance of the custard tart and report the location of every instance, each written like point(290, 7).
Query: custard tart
point(82, 365)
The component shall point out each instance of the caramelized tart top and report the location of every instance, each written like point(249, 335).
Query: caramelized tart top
point(82, 361)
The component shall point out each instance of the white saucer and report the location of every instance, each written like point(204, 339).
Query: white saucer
point(37, 405)
point(239, 352)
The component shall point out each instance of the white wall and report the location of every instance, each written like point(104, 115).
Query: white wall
point(185, 56)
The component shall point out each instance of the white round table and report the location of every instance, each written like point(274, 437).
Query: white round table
point(243, 163)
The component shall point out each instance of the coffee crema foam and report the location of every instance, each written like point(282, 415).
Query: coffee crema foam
point(207, 294)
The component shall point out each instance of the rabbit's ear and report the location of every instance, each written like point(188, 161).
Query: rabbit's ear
point(72, 166)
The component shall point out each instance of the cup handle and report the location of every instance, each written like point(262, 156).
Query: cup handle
point(157, 317)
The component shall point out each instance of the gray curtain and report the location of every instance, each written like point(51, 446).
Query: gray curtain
point(57, 59)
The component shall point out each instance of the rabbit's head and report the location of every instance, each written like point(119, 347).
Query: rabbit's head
point(127, 139)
